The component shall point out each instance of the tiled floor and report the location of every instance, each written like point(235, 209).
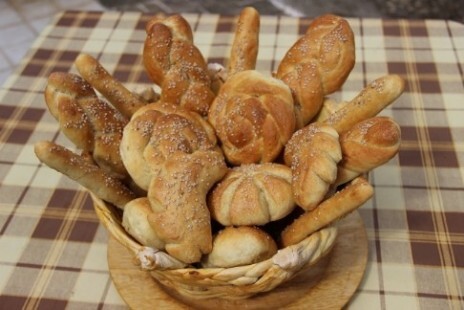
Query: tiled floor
point(22, 20)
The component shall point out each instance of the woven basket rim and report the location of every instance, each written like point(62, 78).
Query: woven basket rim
point(166, 263)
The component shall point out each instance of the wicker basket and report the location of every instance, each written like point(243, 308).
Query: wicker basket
point(229, 283)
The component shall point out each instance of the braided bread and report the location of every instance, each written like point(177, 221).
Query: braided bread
point(253, 117)
point(318, 64)
point(313, 153)
point(90, 123)
point(174, 63)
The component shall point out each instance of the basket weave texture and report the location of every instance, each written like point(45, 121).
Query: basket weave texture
point(231, 283)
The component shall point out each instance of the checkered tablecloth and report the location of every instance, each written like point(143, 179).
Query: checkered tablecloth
point(53, 249)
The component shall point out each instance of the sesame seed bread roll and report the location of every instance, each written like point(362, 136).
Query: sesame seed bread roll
point(173, 62)
point(318, 64)
point(313, 153)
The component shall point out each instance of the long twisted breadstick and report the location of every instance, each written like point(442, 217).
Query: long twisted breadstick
point(318, 64)
point(174, 63)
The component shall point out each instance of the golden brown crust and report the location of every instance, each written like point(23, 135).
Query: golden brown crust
point(366, 146)
point(368, 103)
point(253, 195)
point(178, 199)
point(244, 51)
point(313, 153)
point(174, 63)
point(91, 124)
point(354, 195)
point(155, 132)
point(83, 171)
point(318, 64)
point(135, 222)
point(253, 117)
point(119, 96)
point(240, 246)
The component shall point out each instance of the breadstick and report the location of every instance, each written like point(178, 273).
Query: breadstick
point(244, 50)
point(119, 96)
point(81, 170)
point(330, 210)
point(368, 103)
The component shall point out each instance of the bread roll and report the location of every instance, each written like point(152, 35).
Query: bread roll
point(313, 153)
point(318, 64)
point(366, 146)
point(239, 246)
point(135, 222)
point(330, 210)
point(157, 130)
point(178, 199)
point(253, 195)
point(253, 117)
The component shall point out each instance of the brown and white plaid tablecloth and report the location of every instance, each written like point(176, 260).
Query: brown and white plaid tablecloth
point(53, 249)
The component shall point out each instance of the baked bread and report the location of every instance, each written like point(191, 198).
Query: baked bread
point(366, 146)
point(85, 172)
point(174, 63)
point(318, 64)
point(154, 132)
point(239, 246)
point(135, 222)
point(368, 103)
point(351, 197)
point(178, 199)
point(253, 117)
point(253, 194)
point(90, 123)
point(172, 153)
point(244, 51)
point(119, 96)
point(313, 153)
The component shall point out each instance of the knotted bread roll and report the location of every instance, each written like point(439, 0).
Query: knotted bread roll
point(313, 153)
point(90, 123)
point(174, 63)
point(318, 64)
point(253, 117)
point(253, 194)
point(157, 130)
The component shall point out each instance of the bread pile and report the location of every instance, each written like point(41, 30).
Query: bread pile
point(226, 164)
